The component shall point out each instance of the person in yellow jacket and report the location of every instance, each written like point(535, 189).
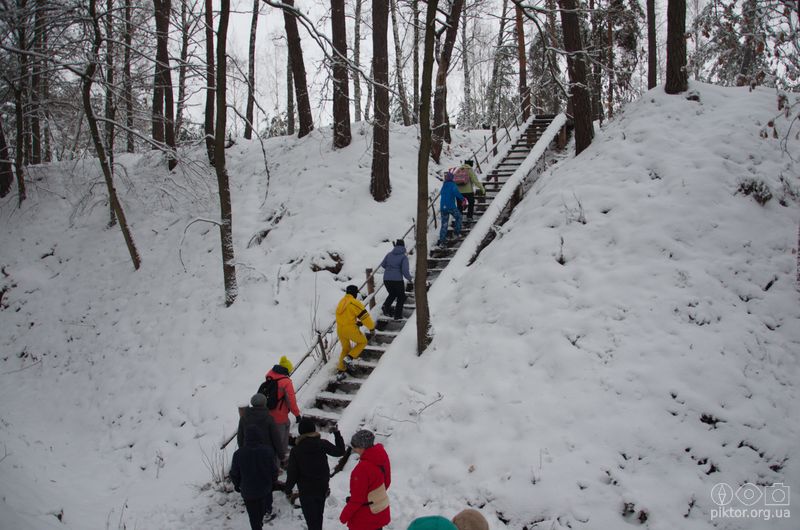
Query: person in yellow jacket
point(351, 313)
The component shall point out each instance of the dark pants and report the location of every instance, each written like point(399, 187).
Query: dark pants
point(470, 204)
point(396, 290)
point(313, 509)
point(256, 509)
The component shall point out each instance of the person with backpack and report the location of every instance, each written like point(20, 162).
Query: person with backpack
point(367, 507)
point(467, 182)
point(258, 416)
point(281, 400)
point(395, 268)
point(308, 468)
point(350, 314)
point(252, 469)
point(447, 207)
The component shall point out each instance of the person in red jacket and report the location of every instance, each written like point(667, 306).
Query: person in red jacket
point(287, 402)
point(367, 506)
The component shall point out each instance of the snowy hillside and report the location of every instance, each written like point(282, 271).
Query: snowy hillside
point(615, 378)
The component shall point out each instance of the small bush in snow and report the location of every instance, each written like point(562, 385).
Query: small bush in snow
point(758, 189)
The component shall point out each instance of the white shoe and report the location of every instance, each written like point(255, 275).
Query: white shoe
point(347, 360)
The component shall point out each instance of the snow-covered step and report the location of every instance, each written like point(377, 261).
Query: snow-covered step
point(324, 419)
point(349, 385)
point(383, 337)
point(333, 399)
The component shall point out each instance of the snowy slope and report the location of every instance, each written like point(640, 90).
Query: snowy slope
point(659, 360)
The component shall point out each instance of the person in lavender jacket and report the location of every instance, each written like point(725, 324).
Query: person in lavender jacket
point(395, 268)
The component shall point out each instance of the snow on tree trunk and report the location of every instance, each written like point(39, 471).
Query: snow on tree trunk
point(398, 58)
point(251, 73)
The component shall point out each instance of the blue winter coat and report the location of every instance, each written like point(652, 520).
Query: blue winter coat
point(253, 466)
point(450, 193)
point(395, 265)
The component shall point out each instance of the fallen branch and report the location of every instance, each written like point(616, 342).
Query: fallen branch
point(180, 245)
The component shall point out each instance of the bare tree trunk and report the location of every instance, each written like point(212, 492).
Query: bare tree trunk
point(468, 122)
point(357, 60)
point(581, 103)
point(596, 67)
point(87, 80)
point(45, 91)
point(6, 173)
point(36, 70)
point(208, 125)
point(289, 96)
point(424, 337)
point(750, 25)
point(164, 77)
point(369, 94)
point(677, 78)
point(493, 82)
point(555, 102)
point(226, 210)
point(126, 76)
point(19, 155)
point(341, 90)
point(398, 58)
point(251, 73)
point(438, 132)
point(415, 21)
point(110, 109)
point(158, 105)
point(379, 186)
point(610, 43)
point(524, 91)
point(185, 27)
point(652, 45)
point(298, 72)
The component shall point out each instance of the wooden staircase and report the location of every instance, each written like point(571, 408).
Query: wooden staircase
point(329, 404)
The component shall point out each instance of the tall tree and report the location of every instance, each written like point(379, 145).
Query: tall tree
point(226, 210)
point(421, 226)
point(652, 46)
point(87, 80)
point(398, 58)
point(289, 96)
point(110, 107)
point(20, 96)
point(465, 51)
point(186, 35)
point(165, 123)
point(415, 22)
point(379, 185)
point(440, 125)
point(298, 70)
point(127, 79)
point(579, 94)
point(251, 73)
point(208, 124)
point(36, 86)
point(341, 91)
point(494, 81)
point(524, 91)
point(6, 174)
point(677, 77)
point(357, 59)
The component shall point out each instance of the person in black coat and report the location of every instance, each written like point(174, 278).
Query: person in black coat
point(308, 468)
point(258, 415)
point(252, 469)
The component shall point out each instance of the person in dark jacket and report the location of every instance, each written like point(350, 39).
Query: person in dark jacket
point(258, 415)
point(252, 469)
point(308, 468)
point(447, 207)
point(395, 268)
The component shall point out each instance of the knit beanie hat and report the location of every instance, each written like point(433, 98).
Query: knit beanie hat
point(470, 519)
point(363, 439)
point(258, 400)
point(286, 363)
point(352, 290)
point(306, 426)
point(468, 163)
point(399, 243)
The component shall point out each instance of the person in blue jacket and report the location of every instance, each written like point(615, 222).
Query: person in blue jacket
point(448, 207)
point(395, 268)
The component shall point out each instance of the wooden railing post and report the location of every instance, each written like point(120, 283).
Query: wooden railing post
point(370, 288)
point(494, 140)
point(562, 138)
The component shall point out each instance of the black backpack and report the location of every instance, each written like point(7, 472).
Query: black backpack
point(270, 389)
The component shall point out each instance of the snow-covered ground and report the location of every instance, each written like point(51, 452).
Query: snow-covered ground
point(659, 360)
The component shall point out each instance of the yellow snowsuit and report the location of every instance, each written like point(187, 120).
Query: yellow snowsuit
point(349, 313)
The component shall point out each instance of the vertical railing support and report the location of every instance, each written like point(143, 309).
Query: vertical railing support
point(494, 140)
point(370, 288)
